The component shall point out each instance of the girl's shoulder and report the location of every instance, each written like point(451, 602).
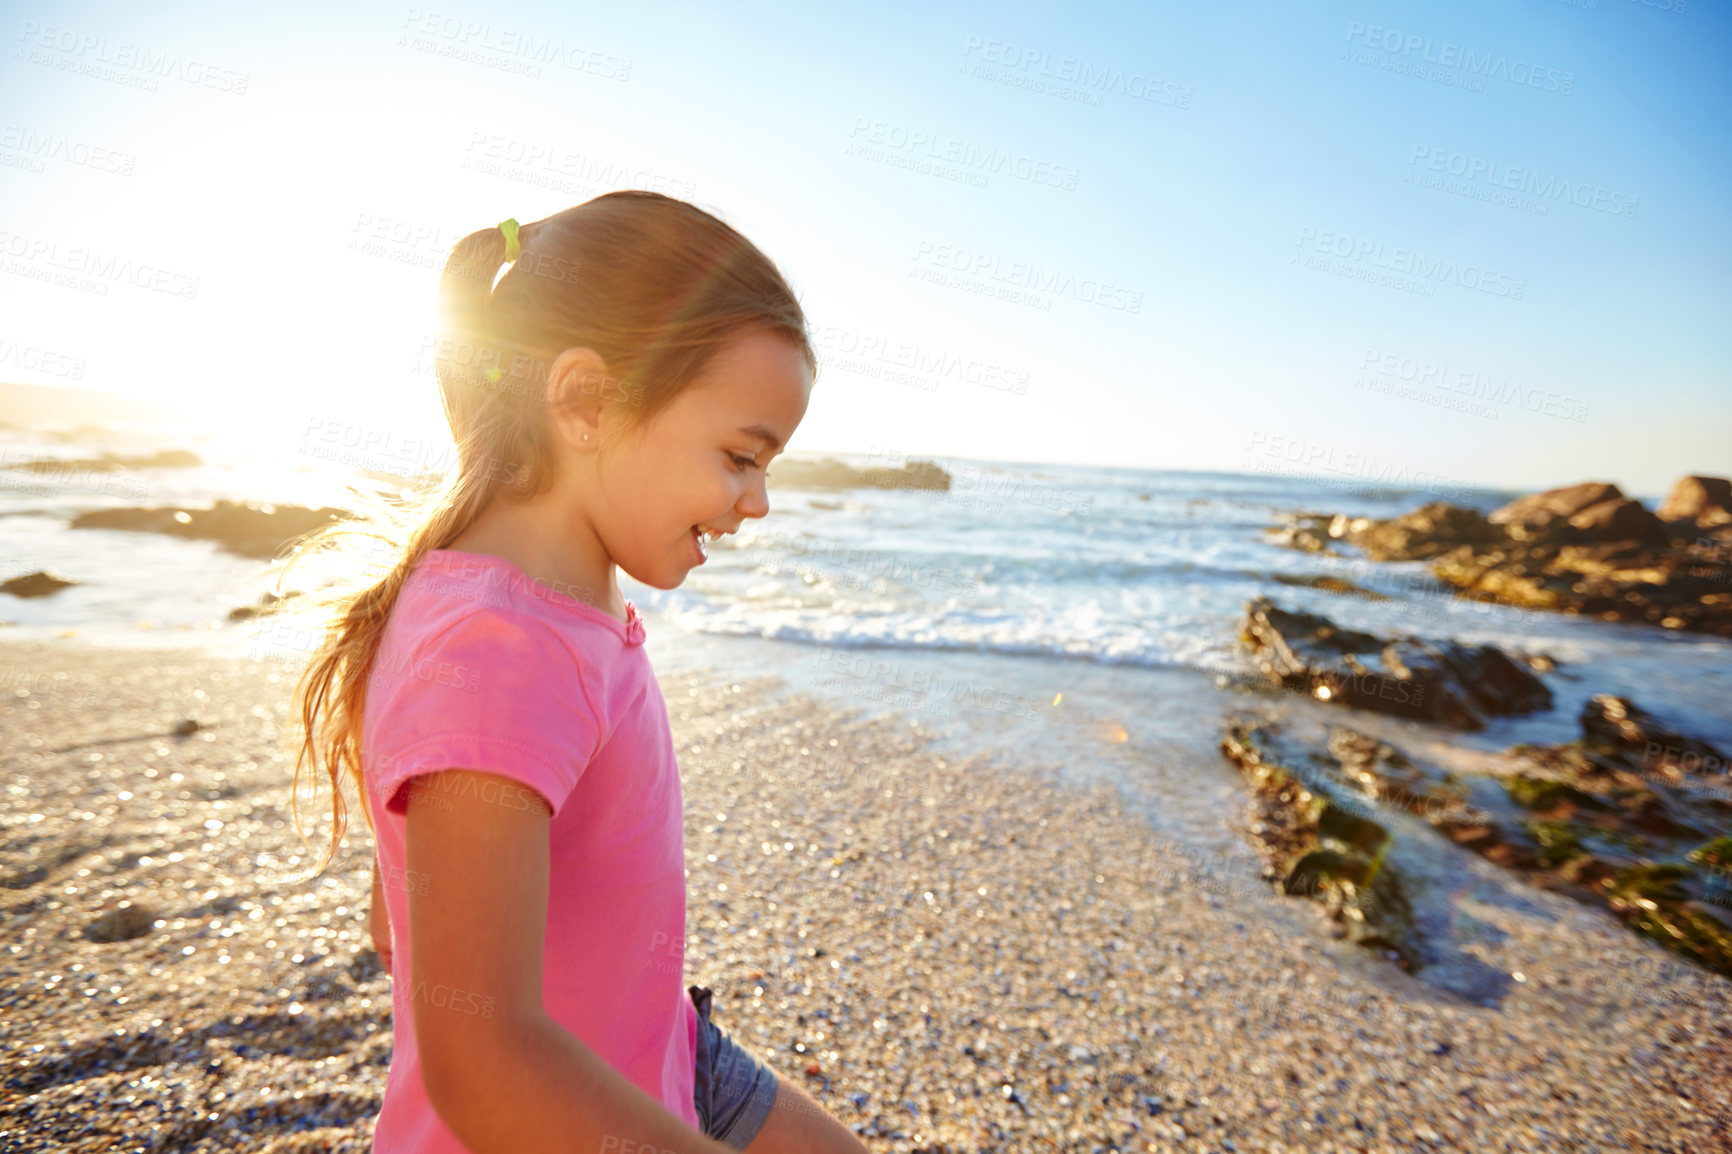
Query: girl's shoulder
point(466, 622)
point(477, 678)
point(488, 581)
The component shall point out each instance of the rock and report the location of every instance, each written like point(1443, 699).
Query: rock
point(122, 923)
point(1438, 692)
point(1499, 578)
point(38, 584)
point(1593, 511)
point(1294, 643)
point(1620, 520)
point(1386, 775)
point(1307, 532)
point(1617, 727)
point(1497, 683)
point(1328, 585)
point(1319, 841)
point(1613, 820)
point(1432, 680)
point(266, 601)
point(251, 529)
point(1716, 854)
point(1589, 818)
point(1586, 550)
point(1667, 902)
point(829, 473)
point(1701, 502)
point(1424, 533)
point(1680, 587)
point(1530, 516)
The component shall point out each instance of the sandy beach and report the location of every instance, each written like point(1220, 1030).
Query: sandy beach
point(952, 955)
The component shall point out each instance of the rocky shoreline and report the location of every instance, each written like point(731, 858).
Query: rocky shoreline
point(1585, 549)
point(1633, 816)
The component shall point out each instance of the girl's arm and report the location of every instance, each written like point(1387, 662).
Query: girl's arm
point(501, 1073)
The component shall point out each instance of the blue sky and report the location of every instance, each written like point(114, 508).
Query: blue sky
point(1333, 238)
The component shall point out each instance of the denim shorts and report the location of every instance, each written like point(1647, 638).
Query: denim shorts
point(733, 1091)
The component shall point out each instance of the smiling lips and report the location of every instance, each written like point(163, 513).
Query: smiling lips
point(700, 536)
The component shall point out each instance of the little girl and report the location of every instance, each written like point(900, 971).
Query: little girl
point(614, 399)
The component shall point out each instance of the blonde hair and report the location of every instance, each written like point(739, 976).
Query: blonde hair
point(654, 285)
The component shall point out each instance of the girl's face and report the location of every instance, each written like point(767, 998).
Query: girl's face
point(699, 466)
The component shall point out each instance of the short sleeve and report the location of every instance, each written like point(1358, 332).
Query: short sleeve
point(494, 692)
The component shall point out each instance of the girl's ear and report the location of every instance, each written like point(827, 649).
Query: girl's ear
point(578, 386)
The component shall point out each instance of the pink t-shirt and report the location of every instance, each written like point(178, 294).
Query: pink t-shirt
point(481, 667)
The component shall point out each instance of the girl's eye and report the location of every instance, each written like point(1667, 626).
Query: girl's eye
point(742, 462)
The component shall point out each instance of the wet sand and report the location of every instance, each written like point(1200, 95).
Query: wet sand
point(949, 953)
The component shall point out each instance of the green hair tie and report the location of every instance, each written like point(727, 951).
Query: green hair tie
point(508, 226)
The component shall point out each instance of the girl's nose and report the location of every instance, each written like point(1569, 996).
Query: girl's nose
point(755, 501)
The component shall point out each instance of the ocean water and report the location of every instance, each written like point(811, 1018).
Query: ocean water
point(1081, 621)
point(982, 604)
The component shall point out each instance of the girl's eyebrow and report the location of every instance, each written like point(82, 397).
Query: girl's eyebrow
point(762, 434)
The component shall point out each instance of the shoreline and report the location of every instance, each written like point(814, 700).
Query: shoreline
point(1125, 973)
